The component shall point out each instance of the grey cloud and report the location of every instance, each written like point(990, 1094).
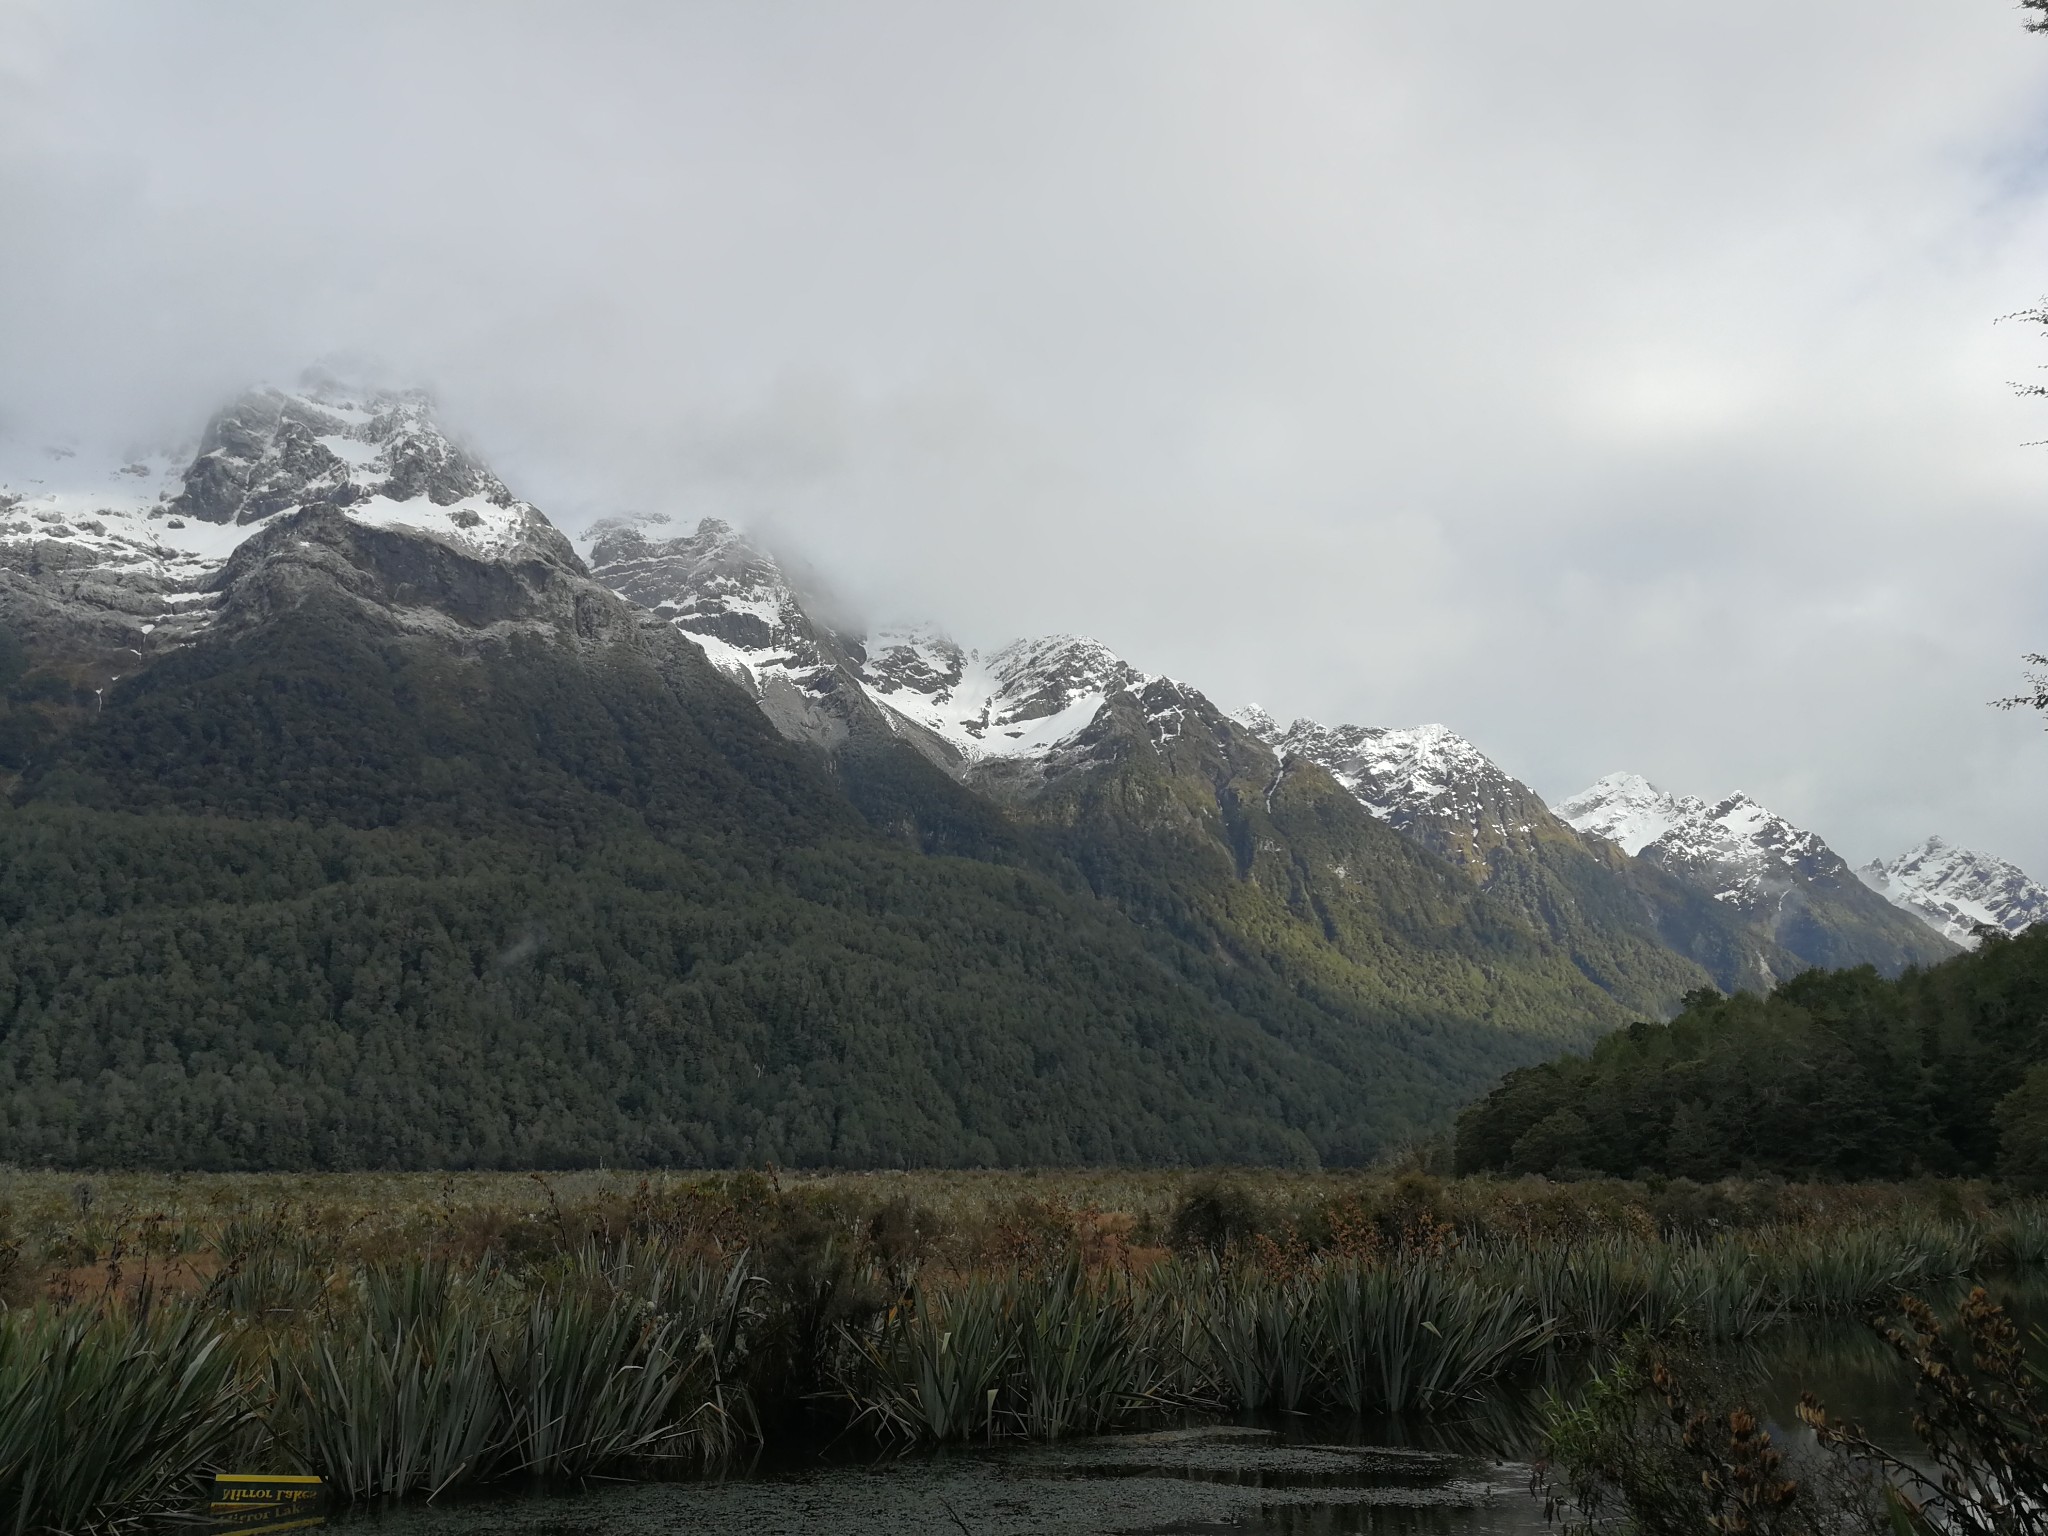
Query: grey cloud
point(1616, 383)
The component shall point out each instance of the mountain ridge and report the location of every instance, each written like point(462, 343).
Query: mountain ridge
point(1782, 878)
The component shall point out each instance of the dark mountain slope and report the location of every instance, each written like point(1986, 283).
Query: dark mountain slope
point(419, 858)
point(337, 888)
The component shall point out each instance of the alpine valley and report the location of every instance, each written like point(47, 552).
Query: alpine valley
point(358, 817)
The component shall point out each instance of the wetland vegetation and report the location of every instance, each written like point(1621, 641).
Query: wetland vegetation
point(411, 1335)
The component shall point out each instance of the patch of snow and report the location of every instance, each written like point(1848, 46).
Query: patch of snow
point(1407, 774)
point(475, 523)
point(1627, 809)
point(1022, 700)
point(1747, 855)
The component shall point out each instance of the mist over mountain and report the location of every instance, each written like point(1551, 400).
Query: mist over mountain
point(1163, 329)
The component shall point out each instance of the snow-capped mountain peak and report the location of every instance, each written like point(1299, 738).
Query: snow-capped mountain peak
point(1395, 771)
point(1426, 781)
point(139, 536)
point(379, 456)
point(1627, 809)
point(1745, 854)
point(728, 596)
point(1957, 892)
point(1258, 722)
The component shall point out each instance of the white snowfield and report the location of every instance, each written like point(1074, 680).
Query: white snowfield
point(89, 507)
point(1627, 809)
point(1751, 851)
point(1022, 700)
point(1958, 892)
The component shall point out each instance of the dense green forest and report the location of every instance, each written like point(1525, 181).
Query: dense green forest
point(327, 896)
point(1836, 1074)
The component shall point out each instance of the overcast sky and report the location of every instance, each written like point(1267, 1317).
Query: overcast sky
point(1614, 380)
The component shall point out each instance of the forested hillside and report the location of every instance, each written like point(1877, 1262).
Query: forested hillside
point(329, 895)
point(1836, 1074)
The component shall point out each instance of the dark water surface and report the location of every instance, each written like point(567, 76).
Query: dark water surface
point(1467, 1476)
point(1217, 1478)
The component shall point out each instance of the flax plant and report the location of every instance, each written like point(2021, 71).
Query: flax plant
point(1411, 1336)
point(109, 1419)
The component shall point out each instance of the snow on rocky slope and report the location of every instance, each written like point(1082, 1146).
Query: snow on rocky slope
point(1783, 878)
point(1958, 893)
point(123, 547)
point(1426, 781)
point(1627, 809)
point(965, 708)
point(1742, 851)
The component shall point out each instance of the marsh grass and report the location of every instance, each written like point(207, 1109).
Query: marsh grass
point(422, 1378)
point(404, 1337)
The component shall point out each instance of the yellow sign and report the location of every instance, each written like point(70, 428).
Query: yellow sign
point(265, 1495)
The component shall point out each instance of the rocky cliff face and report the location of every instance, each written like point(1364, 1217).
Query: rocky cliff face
point(1430, 783)
point(998, 721)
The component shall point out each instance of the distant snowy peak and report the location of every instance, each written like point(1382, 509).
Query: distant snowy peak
point(377, 456)
point(1741, 852)
point(1428, 782)
point(121, 550)
point(1627, 809)
point(1020, 701)
point(1259, 723)
point(1957, 892)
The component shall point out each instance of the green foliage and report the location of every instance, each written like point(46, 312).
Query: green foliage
point(424, 1378)
point(13, 659)
point(1836, 1074)
point(595, 1324)
point(111, 1417)
point(2022, 1117)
